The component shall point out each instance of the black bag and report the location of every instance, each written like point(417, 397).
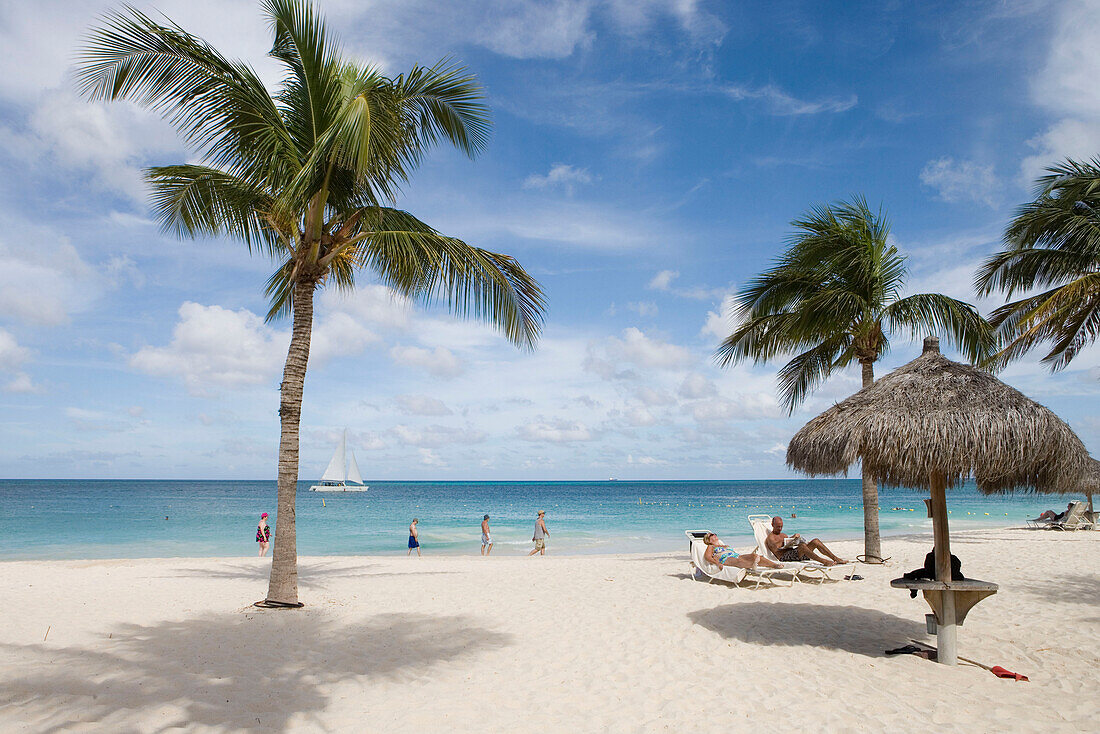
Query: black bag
point(929, 570)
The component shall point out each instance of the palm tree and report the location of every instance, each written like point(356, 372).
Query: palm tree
point(307, 176)
point(833, 298)
point(1052, 244)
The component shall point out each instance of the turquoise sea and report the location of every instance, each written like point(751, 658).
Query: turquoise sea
point(150, 518)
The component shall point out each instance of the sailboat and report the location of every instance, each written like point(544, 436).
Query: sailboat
point(342, 474)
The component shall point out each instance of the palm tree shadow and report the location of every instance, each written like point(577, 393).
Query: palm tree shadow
point(217, 673)
point(852, 629)
point(307, 570)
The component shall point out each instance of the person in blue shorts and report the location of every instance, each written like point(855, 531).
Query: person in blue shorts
point(414, 538)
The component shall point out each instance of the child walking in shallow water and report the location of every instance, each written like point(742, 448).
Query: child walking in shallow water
point(263, 534)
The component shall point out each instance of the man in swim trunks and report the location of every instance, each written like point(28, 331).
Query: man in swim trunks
point(414, 538)
point(540, 536)
point(486, 538)
point(792, 548)
point(721, 554)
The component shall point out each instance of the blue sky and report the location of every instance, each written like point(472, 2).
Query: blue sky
point(647, 158)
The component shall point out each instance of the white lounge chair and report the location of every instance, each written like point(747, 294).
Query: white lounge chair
point(732, 574)
point(1049, 523)
point(1076, 519)
point(761, 526)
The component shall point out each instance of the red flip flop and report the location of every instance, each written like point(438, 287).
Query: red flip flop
point(1000, 672)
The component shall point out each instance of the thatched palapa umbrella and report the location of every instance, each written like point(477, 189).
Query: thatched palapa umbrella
point(933, 423)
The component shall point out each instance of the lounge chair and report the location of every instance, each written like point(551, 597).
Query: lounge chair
point(732, 574)
point(1076, 519)
point(1048, 523)
point(761, 526)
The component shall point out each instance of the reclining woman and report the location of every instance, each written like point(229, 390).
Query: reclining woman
point(721, 554)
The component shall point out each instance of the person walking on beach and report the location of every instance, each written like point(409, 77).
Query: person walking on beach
point(486, 538)
point(541, 534)
point(414, 538)
point(263, 534)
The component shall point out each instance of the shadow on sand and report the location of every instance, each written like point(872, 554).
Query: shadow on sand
point(852, 629)
point(1074, 589)
point(203, 673)
point(312, 573)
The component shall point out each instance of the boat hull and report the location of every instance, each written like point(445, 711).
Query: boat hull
point(337, 488)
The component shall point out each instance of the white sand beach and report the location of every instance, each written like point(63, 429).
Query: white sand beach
point(554, 644)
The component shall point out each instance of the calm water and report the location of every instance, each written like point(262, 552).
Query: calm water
point(132, 519)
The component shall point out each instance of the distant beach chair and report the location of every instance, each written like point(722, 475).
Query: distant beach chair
point(1047, 523)
point(700, 565)
point(761, 526)
point(1076, 519)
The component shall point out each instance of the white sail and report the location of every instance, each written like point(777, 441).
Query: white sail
point(337, 468)
point(353, 469)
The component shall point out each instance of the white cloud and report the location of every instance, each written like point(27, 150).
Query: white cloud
point(430, 458)
point(635, 16)
point(695, 386)
point(640, 416)
point(645, 351)
point(1069, 138)
point(742, 406)
point(643, 308)
point(780, 102)
point(421, 405)
point(662, 281)
point(961, 181)
point(653, 398)
point(524, 29)
point(555, 430)
point(12, 356)
point(560, 175)
point(719, 324)
point(370, 303)
point(436, 436)
point(121, 269)
point(22, 384)
point(97, 421)
point(1066, 85)
point(645, 460)
point(440, 361)
point(338, 334)
point(215, 347)
point(45, 283)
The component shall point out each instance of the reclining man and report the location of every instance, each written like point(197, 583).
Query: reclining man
point(789, 548)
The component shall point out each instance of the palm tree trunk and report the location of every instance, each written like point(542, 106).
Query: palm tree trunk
point(871, 543)
point(283, 586)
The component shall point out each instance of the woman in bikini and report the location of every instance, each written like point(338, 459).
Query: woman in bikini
point(721, 554)
point(263, 534)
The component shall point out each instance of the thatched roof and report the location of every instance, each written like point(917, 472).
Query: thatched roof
point(937, 415)
point(1091, 484)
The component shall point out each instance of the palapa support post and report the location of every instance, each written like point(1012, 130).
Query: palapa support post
point(946, 632)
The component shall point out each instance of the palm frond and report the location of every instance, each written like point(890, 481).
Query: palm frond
point(809, 369)
point(444, 101)
point(924, 314)
point(219, 107)
point(198, 201)
point(417, 261)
